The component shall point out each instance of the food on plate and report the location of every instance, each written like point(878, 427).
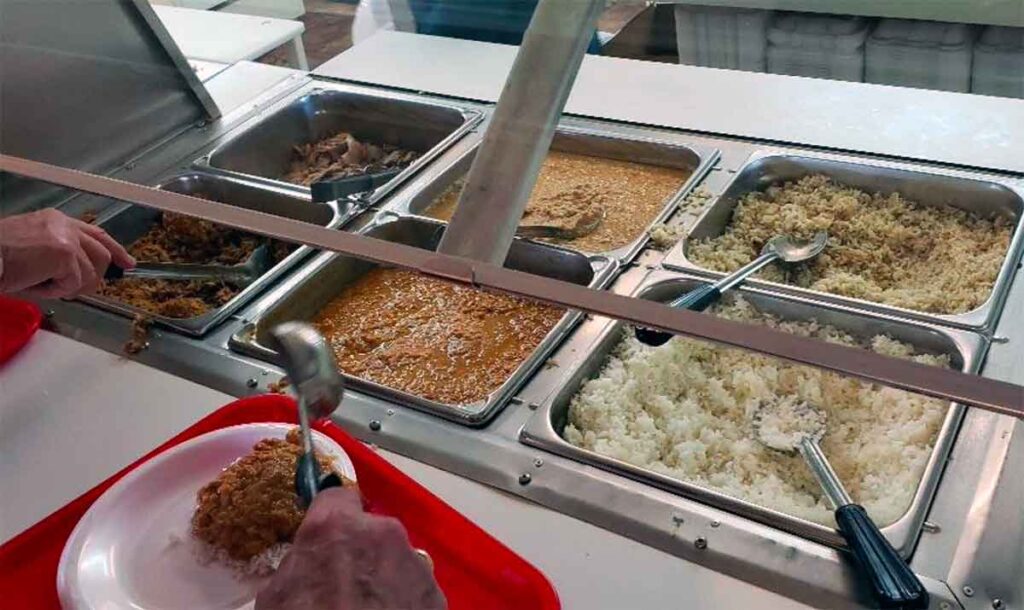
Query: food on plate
point(572, 187)
point(342, 156)
point(882, 248)
point(684, 410)
point(431, 338)
point(183, 239)
point(249, 513)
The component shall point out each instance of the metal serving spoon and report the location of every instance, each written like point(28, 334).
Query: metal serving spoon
point(583, 227)
point(314, 374)
point(779, 248)
point(237, 275)
point(311, 368)
point(792, 426)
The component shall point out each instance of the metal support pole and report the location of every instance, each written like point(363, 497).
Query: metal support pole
point(505, 169)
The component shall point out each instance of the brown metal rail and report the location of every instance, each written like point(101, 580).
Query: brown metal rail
point(992, 395)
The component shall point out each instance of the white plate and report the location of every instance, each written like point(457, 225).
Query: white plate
point(132, 549)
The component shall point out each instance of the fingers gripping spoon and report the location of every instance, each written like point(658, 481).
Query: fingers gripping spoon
point(779, 248)
point(790, 426)
point(314, 374)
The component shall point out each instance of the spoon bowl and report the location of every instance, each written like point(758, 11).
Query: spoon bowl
point(790, 249)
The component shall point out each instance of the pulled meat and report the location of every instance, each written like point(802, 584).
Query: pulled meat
point(343, 156)
point(252, 505)
point(183, 239)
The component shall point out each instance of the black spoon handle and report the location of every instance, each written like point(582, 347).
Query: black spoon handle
point(892, 581)
point(698, 299)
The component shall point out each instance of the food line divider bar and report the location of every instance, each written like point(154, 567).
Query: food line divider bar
point(997, 396)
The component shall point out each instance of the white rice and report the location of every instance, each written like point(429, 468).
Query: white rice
point(264, 564)
point(683, 410)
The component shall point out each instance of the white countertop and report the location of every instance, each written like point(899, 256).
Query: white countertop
point(224, 37)
point(955, 128)
point(72, 415)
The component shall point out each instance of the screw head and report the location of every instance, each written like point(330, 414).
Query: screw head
point(538, 462)
point(252, 382)
point(391, 412)
point(375, 425)
point(50, 313)
point(716, 523)
point(998, 604)
point(701, 543)
point(968, 590)
point(525, 478)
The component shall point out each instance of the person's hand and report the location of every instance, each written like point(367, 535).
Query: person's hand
point(47, 254)
point(343, 558)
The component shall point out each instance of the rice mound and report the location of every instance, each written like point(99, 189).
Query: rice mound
point(684, 410)
point(882, 248)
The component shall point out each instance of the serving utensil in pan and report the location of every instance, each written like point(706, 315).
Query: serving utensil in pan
point(791, 426)
point(332, 190)
point(311, 368)
point(585, 225)
point(237, 275)
point(783, 248)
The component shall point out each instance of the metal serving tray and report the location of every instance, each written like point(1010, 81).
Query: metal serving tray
point(263, 152)
point(597, 141)
point(305, 294)
point(966, 351)
point(130, 223)
point(763, 169)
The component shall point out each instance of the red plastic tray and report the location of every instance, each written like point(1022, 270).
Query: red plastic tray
point(19, 320)
point(475, 571)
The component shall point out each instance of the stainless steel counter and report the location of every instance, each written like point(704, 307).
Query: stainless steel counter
point(969, 552)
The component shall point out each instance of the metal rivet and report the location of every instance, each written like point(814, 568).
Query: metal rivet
point(944, 606)
point(251, 382)
point(715, 523)
point(968, 590)
point(265, 373)
point(533, 406)
point(391, 412)
point(998, 604)
point(538, 462)
point(50, 313)
point(375, 425)
point(525, 478)
point(931, 528)
point(701, 543)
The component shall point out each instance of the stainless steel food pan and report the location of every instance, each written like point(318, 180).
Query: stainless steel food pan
point(597, 141)
point(130, 223)
point(982, 197)
point(306, 293)
point(965, 349)
point(263, 152)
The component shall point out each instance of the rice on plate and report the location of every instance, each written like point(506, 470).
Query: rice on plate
point(684, 410)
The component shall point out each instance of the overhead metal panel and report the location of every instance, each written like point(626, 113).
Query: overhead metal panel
point(87, 84)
